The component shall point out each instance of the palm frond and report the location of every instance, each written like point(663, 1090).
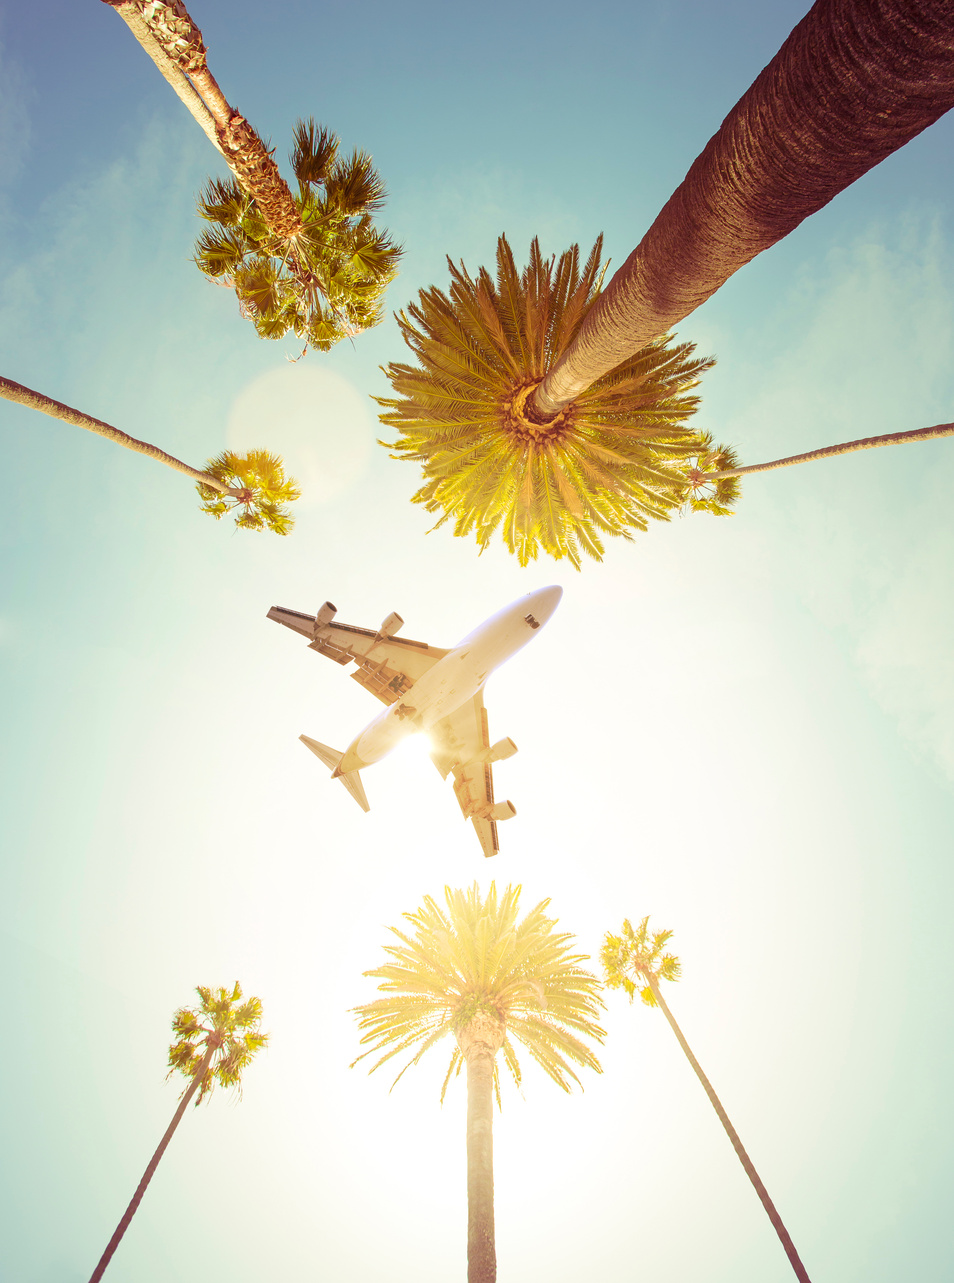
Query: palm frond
point(326, 279)
point(636, 957)
point(226, 1025)
point(314, 152)
point(462, 413)
point(473, 959)
point(261, 491)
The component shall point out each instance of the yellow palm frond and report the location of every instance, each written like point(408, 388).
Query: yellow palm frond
point(475, 955)
point(223, 1023)
point(613, 459)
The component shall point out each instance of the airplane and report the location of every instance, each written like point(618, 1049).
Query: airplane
point(427, 689)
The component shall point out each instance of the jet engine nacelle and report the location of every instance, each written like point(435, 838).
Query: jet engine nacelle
point(503, 811)
point(393, 624)
point(497, 752)
point(325, 615)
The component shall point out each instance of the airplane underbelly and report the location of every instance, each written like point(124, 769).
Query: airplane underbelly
point(382, 736)
point(449, 701)
point(444, 689)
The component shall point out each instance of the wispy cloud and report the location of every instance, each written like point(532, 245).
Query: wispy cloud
point(865, 541)
point(907, 648)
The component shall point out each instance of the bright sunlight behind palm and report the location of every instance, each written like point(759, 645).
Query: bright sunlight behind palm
point(635, 961)
point(215, 1043)
point(477, 973)
point(544, 409)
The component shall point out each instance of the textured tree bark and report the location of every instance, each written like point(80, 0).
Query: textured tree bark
point(854, 81)
point(174, 42)
point(123, 1225)
point(168, 68)
point(800, 1272)
point(829, 451)
point(481, 1247)
point(57, 410)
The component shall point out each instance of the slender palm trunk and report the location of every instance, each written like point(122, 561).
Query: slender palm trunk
point(123, 1225)
point(800, 1272)
point(174, 43)
point(57, 410)
point(168, 69)
point(854, 81)
point(827, 452)
point(481, 1248)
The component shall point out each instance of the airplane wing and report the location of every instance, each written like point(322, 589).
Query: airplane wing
point(387, 666)
point(462, 746)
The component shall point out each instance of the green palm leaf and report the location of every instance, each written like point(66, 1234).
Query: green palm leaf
point(326, 279)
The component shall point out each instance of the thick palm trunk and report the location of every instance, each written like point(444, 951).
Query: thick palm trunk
point(827, 452)
point(800, 1272)
point(481, 1248)
point(174, 43)
point(57, 410)
point(123, 1225)
point(854, 81)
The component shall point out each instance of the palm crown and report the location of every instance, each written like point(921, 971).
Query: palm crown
point(613, 458)
point(258, 490)
point(221, 1022)
point(326, 280)
point(636, 956)
point(475, 961)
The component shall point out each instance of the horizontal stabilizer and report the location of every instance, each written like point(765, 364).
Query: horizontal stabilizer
point(331, 757)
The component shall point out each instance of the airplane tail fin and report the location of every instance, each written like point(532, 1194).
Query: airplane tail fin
point(331, 757)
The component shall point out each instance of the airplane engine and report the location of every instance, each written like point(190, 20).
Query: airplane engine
point(393, 624)
point(325, 615)
point(498, 752)
point(503, 811)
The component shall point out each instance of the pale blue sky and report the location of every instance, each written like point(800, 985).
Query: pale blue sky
point(741, 727)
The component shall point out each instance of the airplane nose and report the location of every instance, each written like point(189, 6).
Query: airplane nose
point(544, 602)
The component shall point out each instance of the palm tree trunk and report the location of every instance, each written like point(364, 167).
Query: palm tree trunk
point(864, 443)
point(57, 410)
point(123, 1225)
point(168, 68)
point(174, 43)
point(854, 81)
point(481, 1248)
point(800, 1272)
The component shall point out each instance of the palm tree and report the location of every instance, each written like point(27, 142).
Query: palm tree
point(635, 960)
point(619, 455)
point(716, 465)
point(475, 972)
point(215, 1042)
point(254, 485)
point(852, 83)
point(326, 279)
point(312, 262)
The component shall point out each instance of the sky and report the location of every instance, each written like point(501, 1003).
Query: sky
point(742, 727)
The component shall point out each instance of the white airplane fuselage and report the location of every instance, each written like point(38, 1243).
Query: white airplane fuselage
point(454, 679)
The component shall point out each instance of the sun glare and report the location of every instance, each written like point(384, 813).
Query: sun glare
point(316, 419)
point(416, 746)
